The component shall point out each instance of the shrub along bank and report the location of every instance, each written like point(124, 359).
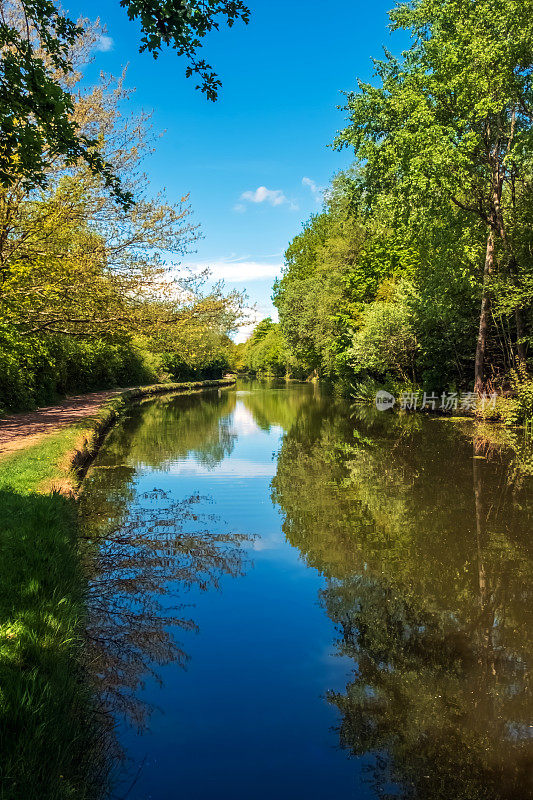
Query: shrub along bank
point(37, 371)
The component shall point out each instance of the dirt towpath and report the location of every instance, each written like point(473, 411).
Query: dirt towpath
point(18, 431)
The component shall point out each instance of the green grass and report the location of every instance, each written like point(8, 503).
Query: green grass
point(48, 733)
point(30, 470)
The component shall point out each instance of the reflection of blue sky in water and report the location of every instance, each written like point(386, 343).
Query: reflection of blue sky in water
point(231, 468)
point(248, 718)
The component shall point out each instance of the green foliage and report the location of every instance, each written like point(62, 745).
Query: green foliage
point(455, 105)
point(183, 27)
point(36, 111)
point(439, 199)
point(385, 342)
point(266, 351)
point(449, 123)
point(178, 369)
point(86, 301)
point(515, 408)
point(328, 276)
point(37, 122)
point(35, 372)
point(336, 285)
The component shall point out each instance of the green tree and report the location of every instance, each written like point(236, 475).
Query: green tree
point(266, 351)
point(332, 268)
point(83, 281)
point(386, 341)
point(450, 122)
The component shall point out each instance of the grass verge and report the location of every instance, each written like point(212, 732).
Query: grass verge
point(51, 743)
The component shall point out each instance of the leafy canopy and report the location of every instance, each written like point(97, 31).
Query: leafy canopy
point(36, 107)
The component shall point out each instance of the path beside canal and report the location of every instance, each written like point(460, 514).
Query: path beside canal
point(18, 431)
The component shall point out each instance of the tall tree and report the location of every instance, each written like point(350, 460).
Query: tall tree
point(451, 121)
point(80, 274)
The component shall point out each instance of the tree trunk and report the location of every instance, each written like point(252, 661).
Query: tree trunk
point(521, 349)
point(479, 374)
point(520, 333)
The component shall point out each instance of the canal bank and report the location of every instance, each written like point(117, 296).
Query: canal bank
point(51, 744)
point(347, 589)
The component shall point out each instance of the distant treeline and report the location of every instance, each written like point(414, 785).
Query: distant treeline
point(266, 352)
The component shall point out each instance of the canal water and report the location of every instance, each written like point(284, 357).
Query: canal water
point(295, 598)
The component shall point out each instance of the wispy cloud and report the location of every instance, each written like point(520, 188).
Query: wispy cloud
point(316, 191)
point(234, 270)
point(104, 44)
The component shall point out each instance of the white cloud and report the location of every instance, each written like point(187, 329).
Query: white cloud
point(244, 332)
point(104, 44)
point(316, 191)
point(234, 271)
point(274, 197)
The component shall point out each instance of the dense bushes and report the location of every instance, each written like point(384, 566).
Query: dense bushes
point(36, 371)
point(178, 369)
point(386, 340)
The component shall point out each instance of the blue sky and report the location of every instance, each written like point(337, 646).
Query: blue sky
point(255, 161)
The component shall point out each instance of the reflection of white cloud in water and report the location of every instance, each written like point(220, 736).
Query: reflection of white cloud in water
point(232, 468)
point(243, 420)
point(272, 542)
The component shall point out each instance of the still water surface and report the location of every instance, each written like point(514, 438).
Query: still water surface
point(295, 599)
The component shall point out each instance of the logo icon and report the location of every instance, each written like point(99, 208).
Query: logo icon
point(384, 400)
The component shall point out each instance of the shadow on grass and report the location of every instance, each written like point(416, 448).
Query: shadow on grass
point(51, 744)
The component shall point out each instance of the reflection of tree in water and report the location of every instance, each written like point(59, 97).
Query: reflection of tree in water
point(271, 404)
point(428, 557)
point(143, 554)
point(162, 431)
point(450, 712)
point(160, 550)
